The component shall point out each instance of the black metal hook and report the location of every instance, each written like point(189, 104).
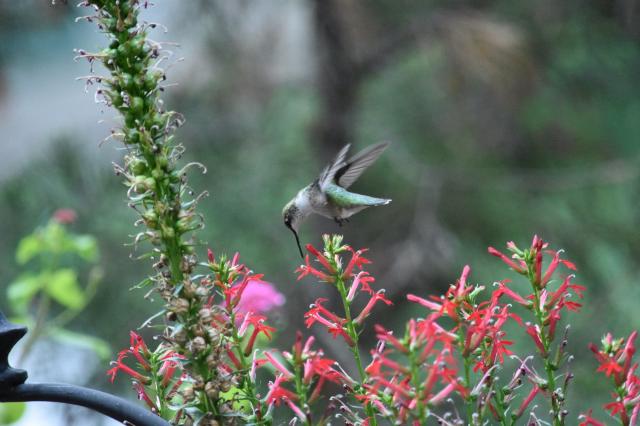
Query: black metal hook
point(13, 387)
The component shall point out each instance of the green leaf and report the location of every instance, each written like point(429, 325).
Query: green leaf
point(99, 346)
point(11, 412)
point(234, 394)
point(62, 285)
point(29, 247)
point(22, 291)
point(86, 247)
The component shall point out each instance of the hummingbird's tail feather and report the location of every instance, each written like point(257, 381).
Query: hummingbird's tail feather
point(379, 201)
point(366, 200)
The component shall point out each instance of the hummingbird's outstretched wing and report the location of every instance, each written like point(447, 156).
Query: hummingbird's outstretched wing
point(329, 172)
point(351, 170)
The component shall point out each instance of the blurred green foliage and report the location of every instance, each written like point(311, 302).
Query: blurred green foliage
point(50, 253)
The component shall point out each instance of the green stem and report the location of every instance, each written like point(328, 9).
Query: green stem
point(38, 327)
point(301, 389)
point(556, 408)
point(245, 382)
point(415, 380)
point(355, 349)
point(467, 382)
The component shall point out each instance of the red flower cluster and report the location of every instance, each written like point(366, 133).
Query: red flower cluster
point(427, 376)
point(457, 349)
point(616, 361)
point(546, 304)
point(529, 261)
point(309, 370)
point(478, 326)
point(65, 216)
point(331, 271)
point(232, 279)
point(155, 377)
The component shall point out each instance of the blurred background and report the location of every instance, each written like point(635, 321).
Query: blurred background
point(506, 119)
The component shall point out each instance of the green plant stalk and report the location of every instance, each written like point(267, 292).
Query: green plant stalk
point(467, 379)
point(423, 410)
point(39, 326)
point(354, 335)
point(155, 183)
point(247, 384)
point(301, 389)
point(557, 420)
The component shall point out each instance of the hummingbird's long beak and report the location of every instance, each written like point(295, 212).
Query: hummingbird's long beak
point(297, 240)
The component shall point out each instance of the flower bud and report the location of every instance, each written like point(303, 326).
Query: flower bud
point(211, 390)
point(180, 306)
point(205, 314)
point(198, 344)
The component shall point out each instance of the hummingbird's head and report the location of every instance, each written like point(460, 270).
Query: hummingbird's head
point(292, 217)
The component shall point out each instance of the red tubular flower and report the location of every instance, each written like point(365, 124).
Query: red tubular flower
point(143, 396)
point(296, 410)
point(357, 260)
point(388, 337)
point(437, 307)
point(503, 289)
point(334, 324)
point(454, 299)
point(307, 269)
point(538, 269)
point(321, 258)
point(118, 365)
point(587, 420)
point(233, 358)
point(139, 349)
point(525, 403)
point(378, 296)
point(140, 352)
point(617, 407)
point(171, 361)
point(257, 322)
point(362, 280)
point(534, 332)
point(288, 375)
point(520, 268)
point(278, 393)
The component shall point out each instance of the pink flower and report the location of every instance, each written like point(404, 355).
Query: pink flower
point(259, 297)
point(65, 216)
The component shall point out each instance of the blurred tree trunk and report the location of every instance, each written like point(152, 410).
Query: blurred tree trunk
point(337, 82)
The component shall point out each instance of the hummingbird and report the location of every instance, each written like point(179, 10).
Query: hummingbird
point(327, 195)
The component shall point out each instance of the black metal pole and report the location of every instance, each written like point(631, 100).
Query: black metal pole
point(109, 405)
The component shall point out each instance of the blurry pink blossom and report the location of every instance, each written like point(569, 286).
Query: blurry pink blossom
point(65, 216)
point(260, 297)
